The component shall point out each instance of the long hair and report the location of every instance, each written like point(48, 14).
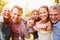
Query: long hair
point(46, 9)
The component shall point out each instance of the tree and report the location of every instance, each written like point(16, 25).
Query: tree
point(56, 1)
point(2, 4)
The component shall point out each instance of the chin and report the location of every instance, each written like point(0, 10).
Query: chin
point(54, 21)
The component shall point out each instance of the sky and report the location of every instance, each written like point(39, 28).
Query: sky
point(30, 4)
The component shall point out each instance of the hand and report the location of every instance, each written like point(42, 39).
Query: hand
point(42, 26)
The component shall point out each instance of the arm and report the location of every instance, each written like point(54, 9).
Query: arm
point(49, 26)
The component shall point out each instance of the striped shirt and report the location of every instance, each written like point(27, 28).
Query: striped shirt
point(56, 31)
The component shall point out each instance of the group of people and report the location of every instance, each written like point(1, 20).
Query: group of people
point(43, 24)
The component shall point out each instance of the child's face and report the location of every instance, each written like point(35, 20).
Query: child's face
point(16, 15)
point(35, 15)
point(30, 23)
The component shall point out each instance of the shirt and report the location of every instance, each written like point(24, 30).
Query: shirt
point(19, 30)
point(56, 31)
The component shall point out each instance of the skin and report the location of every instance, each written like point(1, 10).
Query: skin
point(54, 15)
point(6, 13)
point(44, 15)
point(30, 23)
point(16, 15)
point(35, 15)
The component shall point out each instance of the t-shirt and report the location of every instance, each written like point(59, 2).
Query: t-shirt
point(56, 31)
point(18, 30)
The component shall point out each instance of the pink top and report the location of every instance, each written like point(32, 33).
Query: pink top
point(19, 30)
point(38, 26)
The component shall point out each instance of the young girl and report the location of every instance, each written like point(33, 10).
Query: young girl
point(44, 25)
point(30, 24)
point(35, 16)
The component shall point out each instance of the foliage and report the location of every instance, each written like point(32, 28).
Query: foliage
point(2, 4)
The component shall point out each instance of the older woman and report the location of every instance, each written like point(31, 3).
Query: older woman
point(6, 13)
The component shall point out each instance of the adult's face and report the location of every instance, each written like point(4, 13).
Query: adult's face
point(43, 13)
point(6, 13)
point(54, 15)
point(16, 15)
point(59, 11)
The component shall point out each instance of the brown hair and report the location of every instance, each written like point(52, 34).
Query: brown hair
point(35, 11)
point(18, 7)
point(44, 7)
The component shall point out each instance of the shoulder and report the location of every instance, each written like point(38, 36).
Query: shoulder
point(24, 20)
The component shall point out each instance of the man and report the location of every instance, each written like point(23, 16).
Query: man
point(7, 16)
point(18, 28)
point(54, 17)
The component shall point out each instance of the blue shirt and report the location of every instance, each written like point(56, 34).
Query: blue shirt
point(56, 31)
point(6, 31)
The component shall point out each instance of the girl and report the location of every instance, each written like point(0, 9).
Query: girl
point(30, 24)
point(44, 25)
point(35, 16)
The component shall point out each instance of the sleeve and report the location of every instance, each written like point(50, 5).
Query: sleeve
point(49, 27)
point(36, 27)
point(25, 31)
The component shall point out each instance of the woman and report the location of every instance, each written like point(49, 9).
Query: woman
point(6, 13)
point(44, 25)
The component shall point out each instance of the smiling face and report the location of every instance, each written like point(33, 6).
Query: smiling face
point(35, 14)
point(43, 13)
point(16, 15)
point(6, 13)
point(30, 23)
point(54, 15)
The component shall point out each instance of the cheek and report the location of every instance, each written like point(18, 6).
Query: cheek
point(49, 16)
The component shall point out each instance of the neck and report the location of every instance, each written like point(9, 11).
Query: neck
point(43, 21)
point(6, 21)
point(17, 22)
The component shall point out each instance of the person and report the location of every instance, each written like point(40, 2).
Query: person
point(6, 13)
point(54, 17)
point(1, 24)
point(35, 16)
point(30, 24)
point(44, 25)
point(18, 28)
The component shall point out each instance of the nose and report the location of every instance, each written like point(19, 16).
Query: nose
point(6, 13)
point(42, 14)
point(53, 16)
point(15, 16)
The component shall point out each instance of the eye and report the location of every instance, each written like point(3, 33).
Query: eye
point(14, 13)
point(44, 12)
point(18, 15)
point(55, 14)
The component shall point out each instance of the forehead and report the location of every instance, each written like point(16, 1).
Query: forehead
point(30, 20)
point(35, 12)
point(7, 8)
point(43, 9)
point(52, 11)
point(15, 10)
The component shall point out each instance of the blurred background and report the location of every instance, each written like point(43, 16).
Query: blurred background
point(27, 5)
